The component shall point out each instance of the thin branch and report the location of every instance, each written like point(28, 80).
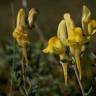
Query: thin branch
point(13, 63)
point(24, 4)
point(76, 73)
point(23, 71)
point(23, 74)
point(40, 33)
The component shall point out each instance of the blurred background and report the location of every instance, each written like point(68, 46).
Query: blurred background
point(47, 77)
point(51, 12)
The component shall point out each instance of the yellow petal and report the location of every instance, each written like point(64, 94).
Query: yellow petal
point(21, 18)
point(48, 50)
point(54, 46)
point(93, 23)
point(92, 27)
point(32, 16)
point(85, 14)
point(65, 72)
point(62, 32)
point(64, 66)
point(77, 58)
point(74, 33)
point(69, 22)
point(76, 36)
point(21, 38)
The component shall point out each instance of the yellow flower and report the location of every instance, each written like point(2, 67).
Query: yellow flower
point(54, 46)
point(32, 16)
point(21, 33)
point(72, 37)
point(88, 24)
point(75, 40)
point(21, 38)
point(75, 34)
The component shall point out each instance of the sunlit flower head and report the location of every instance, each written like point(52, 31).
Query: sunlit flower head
point(76, 36)
point(54, 46)
point(88, 24)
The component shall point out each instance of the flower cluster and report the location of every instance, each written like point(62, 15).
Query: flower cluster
point(71, 40)
point(21, 32)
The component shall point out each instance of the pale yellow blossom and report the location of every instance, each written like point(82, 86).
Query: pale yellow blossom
point(20, 33)
point(75, 40)
point(88, 24)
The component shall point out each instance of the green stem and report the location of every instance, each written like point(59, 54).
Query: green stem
point(81, 87)
point(23, 73)
point(86, 94)
point(23, 68)
point(80, 84)
point(14, 45)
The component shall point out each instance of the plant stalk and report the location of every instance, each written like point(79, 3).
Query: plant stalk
point(13, 62)
point(76, 73)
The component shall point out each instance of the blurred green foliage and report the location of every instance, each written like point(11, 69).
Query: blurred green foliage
point(44, 77)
